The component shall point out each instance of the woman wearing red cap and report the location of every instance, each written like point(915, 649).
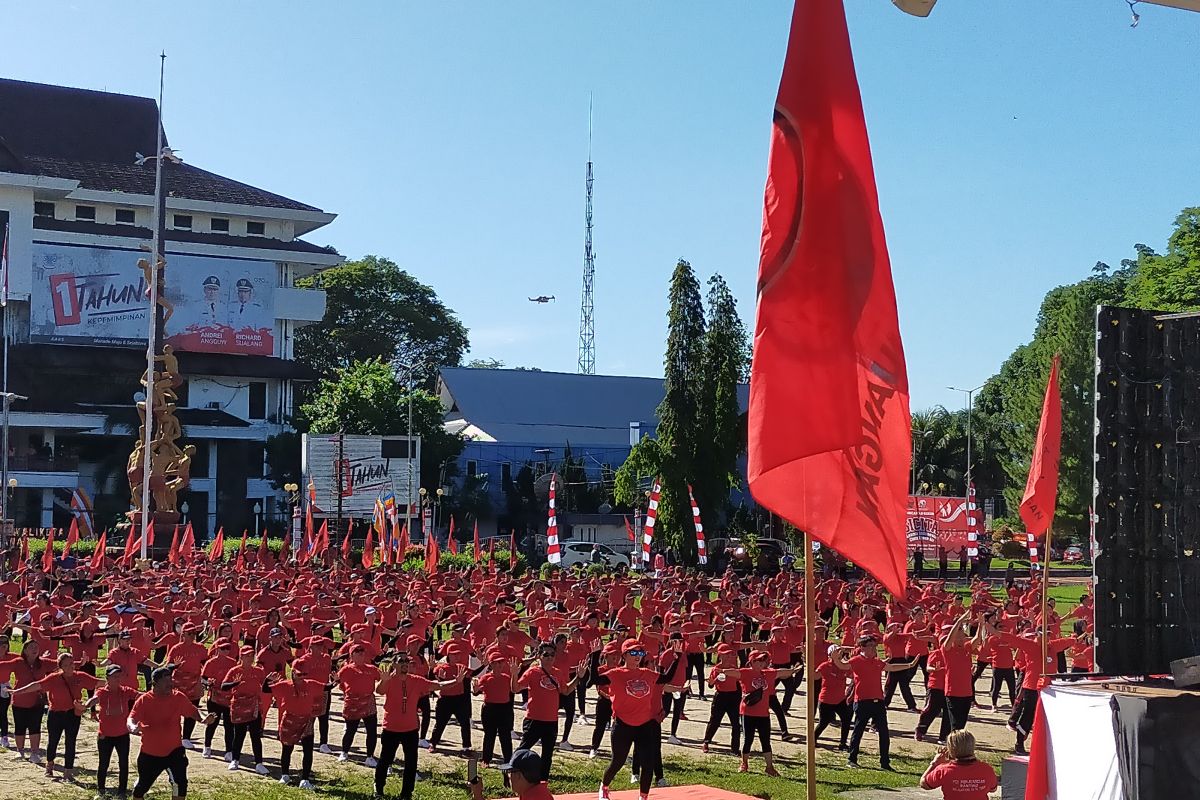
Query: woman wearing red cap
point(64, 688)
point(188, 657)
point(497, 684)
point(247, 681)
point(726, 700)
point(220, 661)
point(358, 679)
point(110, 707)
point(28, 708)
point(299, 700)
point(637, 710)
point(757, 683)
point(610, 658)
point(831, 696)
point(317, 664)
point(546, 684)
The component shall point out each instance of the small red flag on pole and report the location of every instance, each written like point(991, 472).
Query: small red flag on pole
point(451, 542)
point(97, 563)
point(173, 553)
point(188, 547)
point(431, 555)
point(368, 553)
point(217, 552)
point(264, 552)
point(72, 537)
point(475, 549)
point(239, 565)
point(322, 543)
point(48, 556)
point(1041, 489)
point(827, 345)
point(346, 541)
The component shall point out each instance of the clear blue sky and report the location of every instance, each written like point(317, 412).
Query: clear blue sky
point(1015, 144)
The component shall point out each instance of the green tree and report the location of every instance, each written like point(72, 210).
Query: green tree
point(680, 412)
point(367, 398)
point(720, 436)
point(375, 310)
point(1168, 282)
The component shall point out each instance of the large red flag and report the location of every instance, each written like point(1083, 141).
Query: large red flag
point(1041, 490)
point(72, 537)
point(827, 344)
point(217, 552)
point(98, 555)
point(475, 549)
point(173, 553)
point(48, 556)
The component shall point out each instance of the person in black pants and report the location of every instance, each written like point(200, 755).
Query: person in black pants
point(726, 700)
point(610, 658)
point(497, 684)
point(5, 700)
point(869, 709)
point(400, 691)
point(547, 685)
point(110, 706)
point(156, 716)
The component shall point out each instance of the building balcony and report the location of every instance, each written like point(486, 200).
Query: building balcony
point(20, 462)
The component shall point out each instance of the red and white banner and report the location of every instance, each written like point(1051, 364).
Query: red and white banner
point(700, 551)
point(553, 553)
point(974, 523)
point(651, 518)
point(1031, 541)
point(935, 522)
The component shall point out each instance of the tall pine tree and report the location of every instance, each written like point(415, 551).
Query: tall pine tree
point(680, 415)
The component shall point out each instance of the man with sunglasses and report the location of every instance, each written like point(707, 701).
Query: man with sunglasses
point(546, 685)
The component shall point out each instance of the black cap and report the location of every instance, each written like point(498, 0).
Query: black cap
point(212, 280)
point(160, 673)
point(526, 762)
point(243, 283)
point(112, 669)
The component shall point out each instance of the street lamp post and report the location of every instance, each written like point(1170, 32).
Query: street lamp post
point(970, 393)
point(293, 494)
point(257, 517)
point(422, 493)
point(183, 512)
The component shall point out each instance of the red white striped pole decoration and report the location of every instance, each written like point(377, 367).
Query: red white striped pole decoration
point(553, 553)
point(651, 518)
point(700, 551)
point(1031, 540)
point(973, 523)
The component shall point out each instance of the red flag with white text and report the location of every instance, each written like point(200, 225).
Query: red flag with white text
point(1041, 489)
point(827, 346)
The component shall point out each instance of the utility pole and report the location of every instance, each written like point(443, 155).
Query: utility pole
point(587, 311)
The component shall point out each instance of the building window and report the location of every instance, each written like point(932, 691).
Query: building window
point(472, 468)
point(125, 216)
point(219, 225)
point(200, 465)
point(255, 460)
point(86, 213)
point(256, 228)
point(505, 474)
point(43, 209)
point(258, 400)
point(182, 222)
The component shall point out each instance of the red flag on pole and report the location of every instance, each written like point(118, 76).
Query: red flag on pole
point(492, 553)
point(346, 541)
point(149, 536)
point(239, 565)
point(97, 563)
point(629, 530)
point(368, 553)
point(322, 543)
point(402, 545)
point(72, 537)
point(173, 553)
point(431, 555)
point(512, 549)
point(264, 552)
point(217, 552)
point(1041, 489)
point(827, 343)
point(132, 545)
point(48, 556)
point(24, 565)
point(451, 543)
point(285, 549)
point(188, 547)
point(475, 549)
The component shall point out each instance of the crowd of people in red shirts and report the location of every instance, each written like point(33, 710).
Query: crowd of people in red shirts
point(192, 657)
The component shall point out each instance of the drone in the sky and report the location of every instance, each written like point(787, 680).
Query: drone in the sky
point(542, 299)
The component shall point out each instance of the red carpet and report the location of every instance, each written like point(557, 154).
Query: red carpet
point(672, 793)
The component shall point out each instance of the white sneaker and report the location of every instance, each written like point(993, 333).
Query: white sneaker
point(592, 753)
point(307, 786)
point(187, 745)
point(233, 766)
point(207, 752)
point(261, 769)
point(583, 720)
point(286, 780)
point(633, 778)
point(566, 746)
point(675, 740)
point(344, 756)
point(424, 744)
point(35, 757)
point(371, 763)
point(661, 783)
point(229, 757)
point(327, 750)
point(4, 742)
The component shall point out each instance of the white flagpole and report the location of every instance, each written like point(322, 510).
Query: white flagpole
point(152, 327)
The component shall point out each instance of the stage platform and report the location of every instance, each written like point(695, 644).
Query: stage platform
point(671, 793)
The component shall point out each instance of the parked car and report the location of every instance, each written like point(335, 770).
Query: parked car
point(1073, 555)
point(581, 553)
point(770, 554)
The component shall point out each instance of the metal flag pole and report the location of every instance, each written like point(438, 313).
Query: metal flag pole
point(810, 681)
point(156, 247)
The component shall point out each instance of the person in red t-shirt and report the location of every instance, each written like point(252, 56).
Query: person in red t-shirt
point(219, 662)
point(156, 717)
point(358, 679)
point(868, 672)
point(246, 681)
point(299, 701)
point(957, 772)
point(546, 685)
point(401, 690)
point(831, 699)
point(757, 682)
point(110, 706)
point(497, 684)
point(726, 698)
point(956, 649)
point(28, 708)
point(64, 687)
point(636, 692)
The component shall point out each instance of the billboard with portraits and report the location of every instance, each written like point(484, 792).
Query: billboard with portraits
point(97, 296)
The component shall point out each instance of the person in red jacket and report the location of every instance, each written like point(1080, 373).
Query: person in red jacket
point(757, 683)
point(868, 672)
point(299, 700)
point(246, 681)
point(358, 679)
point(636, 692)
point(546, 684)
point(110, 706)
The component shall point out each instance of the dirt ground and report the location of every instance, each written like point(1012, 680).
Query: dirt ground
point(20, 779)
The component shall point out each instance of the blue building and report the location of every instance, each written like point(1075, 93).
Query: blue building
point(517, 420)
